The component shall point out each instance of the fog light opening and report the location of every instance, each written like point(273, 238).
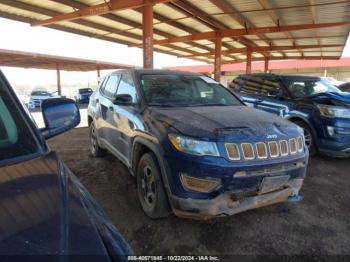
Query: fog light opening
point(203, 185)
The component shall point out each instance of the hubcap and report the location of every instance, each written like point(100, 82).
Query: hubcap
point(148, 186)
point(308, 138)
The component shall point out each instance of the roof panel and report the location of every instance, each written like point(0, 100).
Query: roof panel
point(200, 14)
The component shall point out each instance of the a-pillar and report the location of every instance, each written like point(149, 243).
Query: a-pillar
point(217, 62)
point(147, 41)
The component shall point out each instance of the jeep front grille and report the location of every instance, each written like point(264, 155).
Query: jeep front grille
point(233, 151)
point(284, 147)
point(264, 150)
point(261, 150)
point(248, 151)
point(293, 145)
point(273, 149)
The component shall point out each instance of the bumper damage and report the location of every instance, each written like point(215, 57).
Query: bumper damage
point(226, 205)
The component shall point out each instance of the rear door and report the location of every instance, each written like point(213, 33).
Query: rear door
point(125, 117)
point(105, 103)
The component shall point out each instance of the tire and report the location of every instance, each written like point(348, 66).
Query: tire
point(309, 137)
point(150, 188)
point(95, 149)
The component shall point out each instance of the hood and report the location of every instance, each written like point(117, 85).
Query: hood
point(226, 122)
point(47, 212)
point(343, 97)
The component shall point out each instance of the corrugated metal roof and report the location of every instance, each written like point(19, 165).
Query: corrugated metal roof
point(185, 17)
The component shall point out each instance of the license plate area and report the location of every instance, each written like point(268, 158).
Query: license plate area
point(273, 183)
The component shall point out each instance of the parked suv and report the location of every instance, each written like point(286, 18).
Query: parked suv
point(194, 147)
point(313, 103)
point(46, 213)
point(82, 95)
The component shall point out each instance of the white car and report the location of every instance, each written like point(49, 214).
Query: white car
point(38, 96)
point(26, 101)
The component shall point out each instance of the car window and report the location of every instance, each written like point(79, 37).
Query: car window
point(308, 87)
point(15, 137)
point(110, 87)
point(183, 90)
point(85, 90)
point(256, 85)
point(127, 86)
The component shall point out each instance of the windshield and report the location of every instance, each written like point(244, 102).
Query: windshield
point(85, 90)
point(15, 138)
point(181, 90)
point(308, 87)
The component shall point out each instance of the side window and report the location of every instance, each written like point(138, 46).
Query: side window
point(256, 85)
point(127, 87)
point(110, 87)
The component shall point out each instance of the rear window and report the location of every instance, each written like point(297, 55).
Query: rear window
point(16, 140)
point(256, 85)
point(85, 90)
point(40, 93)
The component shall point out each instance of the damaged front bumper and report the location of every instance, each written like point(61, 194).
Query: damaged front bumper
point(226, 204)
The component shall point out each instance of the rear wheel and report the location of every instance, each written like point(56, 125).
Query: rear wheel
point(95, 149)
point(150, 187)
point(309, 137)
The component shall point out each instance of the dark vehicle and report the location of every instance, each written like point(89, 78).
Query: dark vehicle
point(82, 95)
point(345, 87)
point(313, 103)
point(194, 147)
point(45, 211)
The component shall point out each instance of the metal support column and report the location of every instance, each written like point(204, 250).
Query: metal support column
point(147, 42)
point(266, 65)
point(248, 69)
point(217, 63)
point(59, 91)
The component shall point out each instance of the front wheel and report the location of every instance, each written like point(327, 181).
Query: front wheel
point(150, 188)
point(95, 149)
point(309, 137)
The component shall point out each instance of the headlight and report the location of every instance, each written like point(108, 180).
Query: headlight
point(194, 147)
point(202, 185)
point(333, 111)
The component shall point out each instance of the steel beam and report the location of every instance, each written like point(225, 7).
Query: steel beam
point(59, 90)
point(266, 65)
point(217, 62)
point(107, 7)
point(147, 41)
point(248, 31)
point(262, 49)
point(248, 68)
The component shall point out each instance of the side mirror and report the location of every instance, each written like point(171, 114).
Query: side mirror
point(60, 115)
point(123, 99)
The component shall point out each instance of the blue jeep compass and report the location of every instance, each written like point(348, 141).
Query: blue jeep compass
point(313, 103)
point(193, 146)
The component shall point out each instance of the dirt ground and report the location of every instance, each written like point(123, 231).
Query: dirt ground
point(318, 225)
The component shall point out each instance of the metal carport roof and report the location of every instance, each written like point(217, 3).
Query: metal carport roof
point(234, 30)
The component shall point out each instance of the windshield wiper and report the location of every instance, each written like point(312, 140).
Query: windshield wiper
point(211, 104)
point(162, 105)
